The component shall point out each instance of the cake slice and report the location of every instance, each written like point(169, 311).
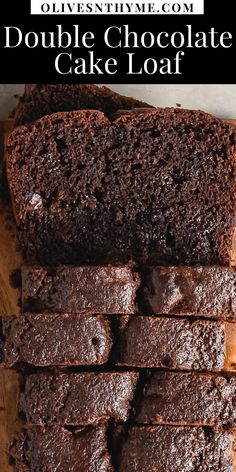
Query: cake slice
point(139, 341)
point(151, 342)
point(170, 398)
point(44, 99)
point(77, 399)
point(55, 339)
point(190, 291)
point(103, 289)
point(154, 187)
point(188, 399)
point(176, 449)
point(56, 449)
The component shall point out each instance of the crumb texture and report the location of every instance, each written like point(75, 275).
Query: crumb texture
point(173, 343)
point(147, 397)
point(55, 339)
point(188, 399)
point(44, 99)
point(138, 341)
point(78, 399)
point(101, 289)
point(176, 449)
point(56, 449)
point(194, 291)
point(153, 187)
point(86, 450)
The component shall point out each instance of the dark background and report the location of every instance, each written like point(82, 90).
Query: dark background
point(206, 66)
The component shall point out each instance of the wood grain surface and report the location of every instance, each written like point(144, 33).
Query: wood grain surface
point(10, 259)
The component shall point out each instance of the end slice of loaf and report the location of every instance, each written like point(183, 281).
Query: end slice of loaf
point(157, 186)
point(44, 99)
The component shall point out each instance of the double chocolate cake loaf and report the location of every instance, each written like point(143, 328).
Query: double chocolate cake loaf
point(64, 289)
point(44, 99)
point(153, 449)
point(156, 186)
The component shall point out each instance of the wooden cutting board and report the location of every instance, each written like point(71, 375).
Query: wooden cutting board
point(10, 260)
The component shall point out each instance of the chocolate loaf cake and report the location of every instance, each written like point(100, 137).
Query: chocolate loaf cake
point(188, 399)
point(56, 449)
point(155, 187)
point(150, 342)
point(77, 399)
point(190, 291)
point(104, 289)
point(176, 449)
point(63, 339)
point(45, 99)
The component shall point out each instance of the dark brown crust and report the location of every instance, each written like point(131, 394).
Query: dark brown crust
point(188, 399)
point(47, 450)
point(150, 342)
point(104, 289)
point(190, 291)
point(39, 100)
point(51, 339)
point(77, 399)
point(136, 188)
point(176, 449)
